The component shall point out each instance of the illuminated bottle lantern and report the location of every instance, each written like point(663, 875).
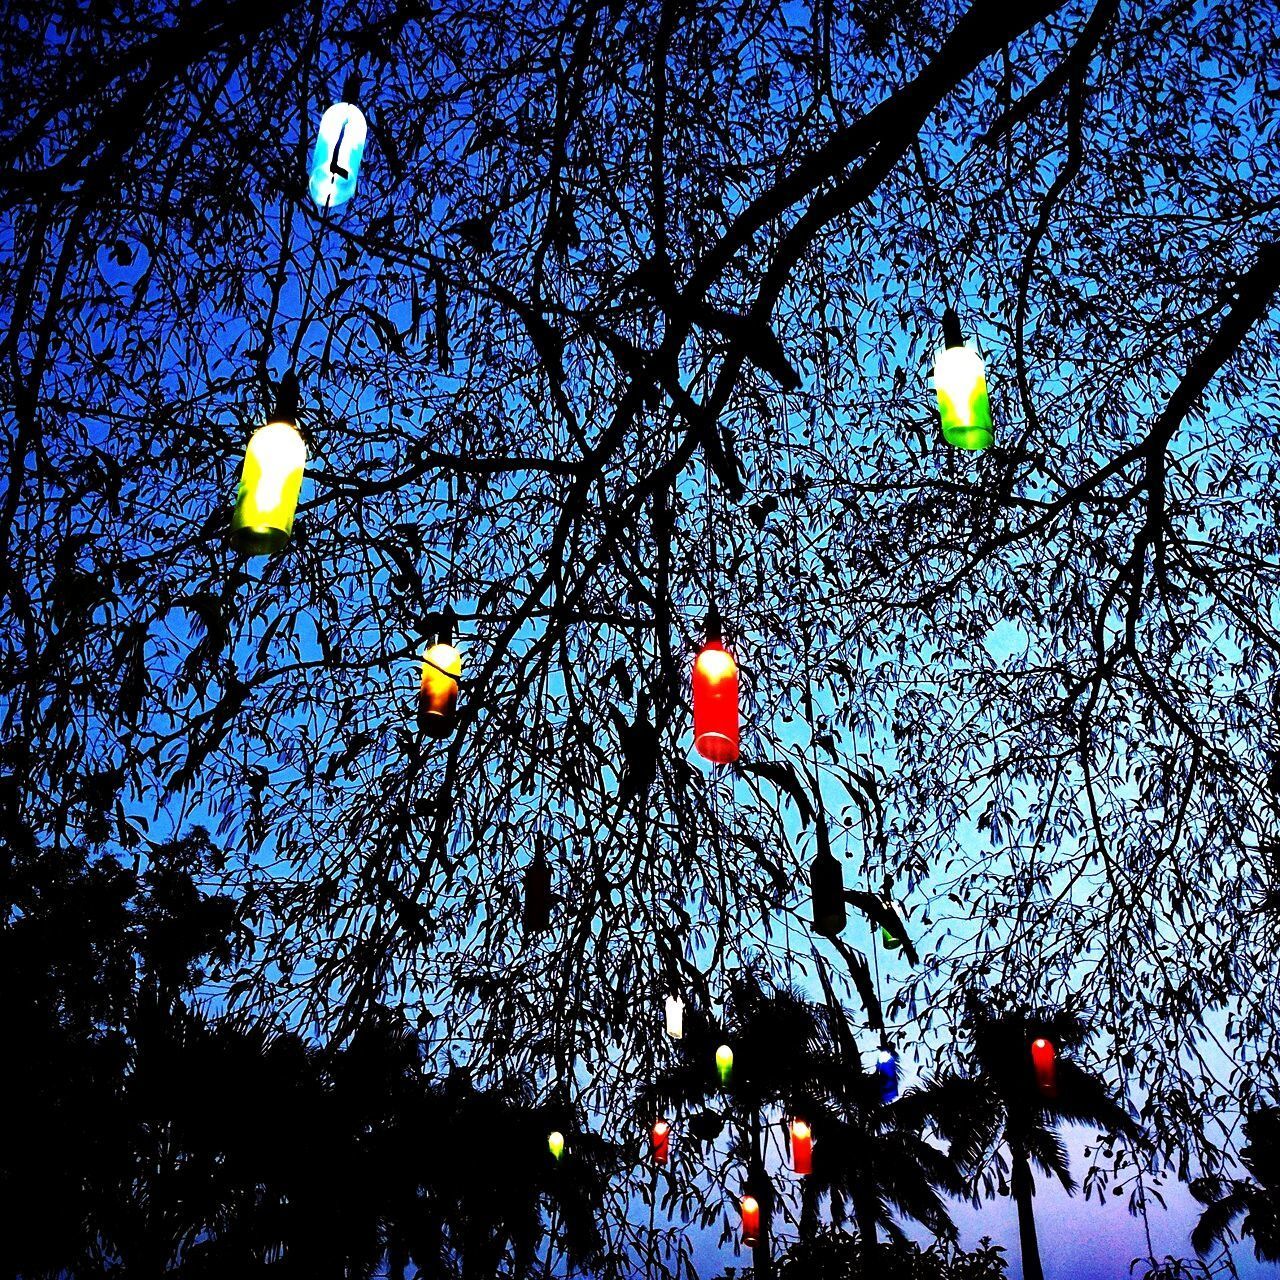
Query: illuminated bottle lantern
point(750, 1220)
point(961, 384)
point(335, 162)
point(675, 1017)
point(887, 1070)
point(887, 936)
point(801, 1146)
point(826, 885)
point(724, 1063)
point(715, 698)
point(537, 895)
point(270, 478)
point(661, 1140)
point(1044, 1062)
point(438, 692)
point(555, 1144)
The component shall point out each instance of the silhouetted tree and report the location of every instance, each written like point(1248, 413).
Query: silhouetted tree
point(999, 1101)
point(634, 310)
point(1255, 1201)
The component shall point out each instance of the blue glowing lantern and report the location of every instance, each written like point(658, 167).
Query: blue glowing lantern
point(887, 1070)
point(335, 163)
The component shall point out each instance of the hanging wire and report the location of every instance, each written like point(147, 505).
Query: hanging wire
point(305, 316)
point(928, 195)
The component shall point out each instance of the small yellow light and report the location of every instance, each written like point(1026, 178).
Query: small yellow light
point(555, 1143)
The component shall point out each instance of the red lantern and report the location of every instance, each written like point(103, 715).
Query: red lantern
point(661, 1140)
point(801, 1146)
point(1044, 1061)
point(750, 1220)
point(715, 699)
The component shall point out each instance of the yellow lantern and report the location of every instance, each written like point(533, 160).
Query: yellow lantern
point(438, 692)
point(270, 479)
point(555, 1144)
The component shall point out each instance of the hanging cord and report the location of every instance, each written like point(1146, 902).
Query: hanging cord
point(305, 316)
point(927, 194)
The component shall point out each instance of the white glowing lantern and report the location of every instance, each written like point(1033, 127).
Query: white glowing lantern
point(675, 1017)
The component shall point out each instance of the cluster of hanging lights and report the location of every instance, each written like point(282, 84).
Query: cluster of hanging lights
point(262, 524)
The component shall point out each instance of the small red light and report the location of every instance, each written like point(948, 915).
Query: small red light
point(661, 1141)
point(801, 1146)
point(1045, 1065)
point(750, 1220)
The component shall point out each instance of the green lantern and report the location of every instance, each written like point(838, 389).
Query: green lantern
point(270, 479)
point(961, 382)
point(724, 1063)
point(555, 1144)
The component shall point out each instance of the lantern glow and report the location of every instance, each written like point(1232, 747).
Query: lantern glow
point(1044, 1062)
point(961, 382)
point(887, 1070)
point(270, 479)
point(715, 699)
point(438, 692)
point(724, 1063)
point(750, 1220)
point(826, 884)
point(661, 1140)
point(555, 1144)
point(335, 162)
point(801, 1146)
point(675, 1017)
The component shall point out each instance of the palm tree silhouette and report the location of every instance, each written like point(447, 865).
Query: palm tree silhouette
point(1256, 1198)
point(801, 1056)
point(1001, 1100)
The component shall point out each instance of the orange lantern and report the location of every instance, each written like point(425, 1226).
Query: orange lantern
point(661, 1140)
point(750, 1220)
point(715, 698)
point(438, 693)
point(1044, 1062)
point(801, 1146)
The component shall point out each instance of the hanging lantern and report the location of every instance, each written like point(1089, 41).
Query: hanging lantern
point(335, 162)
point(826, 885)
point(438, 692)
point(801, 1146)
point(661, 1140)
point(887, 1070)
point(1044, 1062)
point(555, 1144)
point(270, 478)
point(675, 1017)
point(750, 1220)
point(961, 384)
point(715, 698)
point(724, 1063)
point(887, 937)
point(537, 894)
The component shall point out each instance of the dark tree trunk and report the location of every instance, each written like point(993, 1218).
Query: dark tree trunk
point(1023, 1189)
point(864, 1215)
point(762, 1189)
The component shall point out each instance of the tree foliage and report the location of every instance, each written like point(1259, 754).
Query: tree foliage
point(632, 310)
